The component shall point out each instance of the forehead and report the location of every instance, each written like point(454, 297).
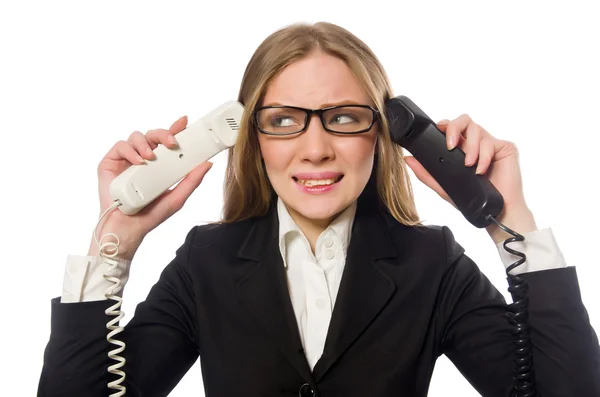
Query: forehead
point(316, 81)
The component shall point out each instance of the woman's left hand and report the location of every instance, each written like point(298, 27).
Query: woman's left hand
point(498, 160)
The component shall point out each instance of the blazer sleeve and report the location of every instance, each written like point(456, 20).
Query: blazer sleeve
point(161, 340)
point(477, 337)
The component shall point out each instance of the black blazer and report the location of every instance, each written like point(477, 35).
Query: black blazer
point(407, 295)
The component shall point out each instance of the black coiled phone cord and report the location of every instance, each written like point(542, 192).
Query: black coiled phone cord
point(524, 385)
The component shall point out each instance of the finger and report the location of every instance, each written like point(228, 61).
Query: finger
point(167, 137)
point(424, 176)
point(179, 125)
point(473, 136)
point(486, 154)
point(175, 199)
point(142, 145)
point(455, 130)
point(123, 150)
point(162, 136)
point(443, 124)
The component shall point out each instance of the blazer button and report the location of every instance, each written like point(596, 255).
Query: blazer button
point(306, 391)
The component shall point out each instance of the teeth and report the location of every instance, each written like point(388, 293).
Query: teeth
point(316, 182)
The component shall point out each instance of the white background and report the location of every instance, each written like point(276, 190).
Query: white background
point(78, 76)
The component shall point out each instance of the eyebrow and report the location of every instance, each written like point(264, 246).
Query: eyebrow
point(323, 105)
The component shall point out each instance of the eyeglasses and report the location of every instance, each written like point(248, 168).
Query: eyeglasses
point(288, 120)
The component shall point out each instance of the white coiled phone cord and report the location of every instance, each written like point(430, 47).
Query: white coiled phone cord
point(108, 251)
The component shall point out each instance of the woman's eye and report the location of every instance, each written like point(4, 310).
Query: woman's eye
point(282, 121)
point(342, 119)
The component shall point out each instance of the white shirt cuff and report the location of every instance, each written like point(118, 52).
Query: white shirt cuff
point(541, 251)
point(84, 278)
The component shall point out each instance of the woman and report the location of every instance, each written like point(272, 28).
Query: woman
point(319, 214)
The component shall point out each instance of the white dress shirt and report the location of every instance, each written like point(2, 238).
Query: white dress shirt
point(313, 279)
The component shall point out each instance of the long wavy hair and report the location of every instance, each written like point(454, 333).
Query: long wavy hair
point(247, 190)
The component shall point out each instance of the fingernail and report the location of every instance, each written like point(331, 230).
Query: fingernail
point(171, 140)
point(451, 143)
point(140, 160)
point(149, 152)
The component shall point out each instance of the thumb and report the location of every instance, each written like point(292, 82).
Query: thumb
point(424, 176)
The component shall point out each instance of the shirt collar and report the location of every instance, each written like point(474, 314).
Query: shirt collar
point(341, 226)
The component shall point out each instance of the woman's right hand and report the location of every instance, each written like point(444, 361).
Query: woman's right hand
point(138, 148)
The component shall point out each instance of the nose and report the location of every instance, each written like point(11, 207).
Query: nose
point(315, 143)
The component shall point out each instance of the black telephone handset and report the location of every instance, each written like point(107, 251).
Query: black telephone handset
point(478, 200)
point(474, 195)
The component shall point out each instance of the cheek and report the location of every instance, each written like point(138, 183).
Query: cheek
point(275, 155)
point(358, 154)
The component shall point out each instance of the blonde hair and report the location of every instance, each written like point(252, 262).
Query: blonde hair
point(247, 190)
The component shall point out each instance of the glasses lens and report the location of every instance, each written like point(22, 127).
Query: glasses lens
point(281, 120)
point(348, 119)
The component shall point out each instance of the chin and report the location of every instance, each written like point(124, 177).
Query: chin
point(320, 214)
point(318, 207)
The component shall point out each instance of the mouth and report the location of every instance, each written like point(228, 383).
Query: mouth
point(318, 182)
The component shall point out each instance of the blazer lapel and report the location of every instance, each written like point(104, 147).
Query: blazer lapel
point(264, 290)
point(364, 289)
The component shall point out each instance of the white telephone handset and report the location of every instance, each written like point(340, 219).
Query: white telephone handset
point(139, 185)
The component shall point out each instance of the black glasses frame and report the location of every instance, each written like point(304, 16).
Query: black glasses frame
point(318, 112)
